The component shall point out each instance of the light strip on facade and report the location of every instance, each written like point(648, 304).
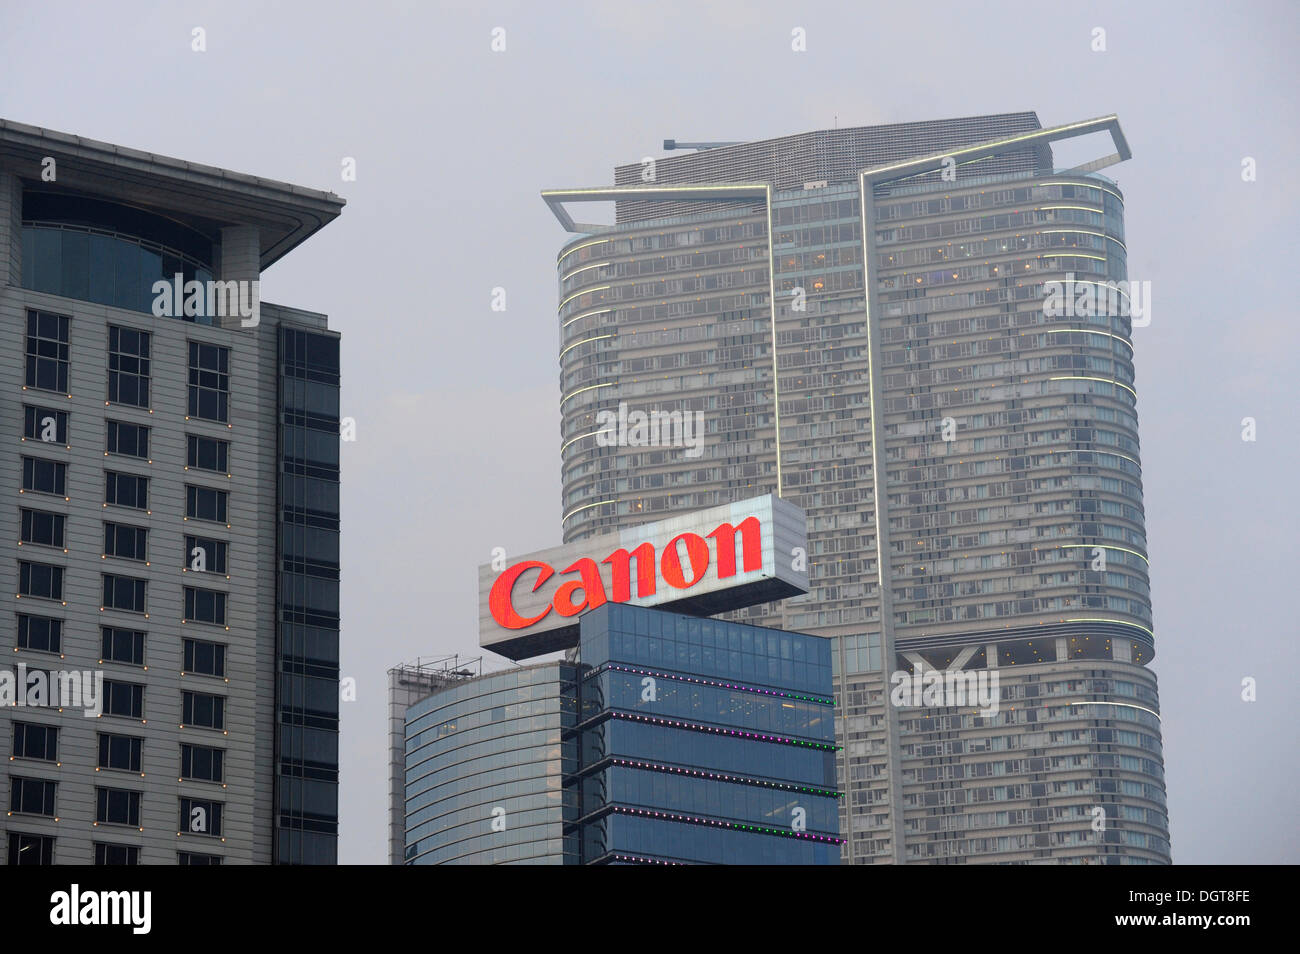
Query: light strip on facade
point(1103, 546)
point(582, 342)
point(585, 314)
point(567, 253)
point(583, 268)
point(1088, 185)
point(1109, 286)
point(1082, 232)
point(1088, 331)
point(1097, 258)
point(590, 387)
point(598, 503)
point(581, 292)
point(1122, 622)
point(735, 826)
point(723, 730)
point(571, 440)
point(710, 682)
point(776, 389)
point(723, 777)
point(1125, 705)
point(1083, 377)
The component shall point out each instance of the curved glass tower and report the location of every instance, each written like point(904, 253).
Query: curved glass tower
point(920, 335)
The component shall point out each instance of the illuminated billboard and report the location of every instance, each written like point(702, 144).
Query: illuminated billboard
point(706, 562)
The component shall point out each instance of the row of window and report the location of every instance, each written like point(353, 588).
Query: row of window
point(130, 369)
point(124, 541)
point(31, 740)
point(121, 645)
point(50, 426)
point(199, 710)
point(123, 490)
point(113, 806)
point(30, 849)
point(128, 594)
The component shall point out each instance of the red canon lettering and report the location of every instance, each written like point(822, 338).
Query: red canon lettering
point(620, 559)
point(593, 589)
point(499, 602)
point(752, 541)
point(697, 554)
point(587, 591)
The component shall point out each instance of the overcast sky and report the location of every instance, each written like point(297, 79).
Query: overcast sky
point(457, 405)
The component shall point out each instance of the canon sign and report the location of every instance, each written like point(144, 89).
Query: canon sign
point(703, 563)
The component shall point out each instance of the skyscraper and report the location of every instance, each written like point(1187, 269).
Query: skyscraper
point(881, 325)
point(173, 533)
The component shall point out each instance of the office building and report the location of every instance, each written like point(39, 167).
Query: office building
point(648, 747)
point(661, 737)
point(920, 334)
point(172, 467)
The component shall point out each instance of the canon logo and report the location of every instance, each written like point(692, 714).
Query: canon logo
point(586, 589)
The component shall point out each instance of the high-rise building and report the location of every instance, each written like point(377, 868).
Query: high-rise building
point(660, 738)
point(921, 335)
point(173, 529)
point(648, 746)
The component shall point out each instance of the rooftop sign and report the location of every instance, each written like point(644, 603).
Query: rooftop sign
point(703, 563)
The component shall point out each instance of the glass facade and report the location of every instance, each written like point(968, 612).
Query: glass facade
point(669, 739)
point(307, 702)
point(485, 769)
point(103, 267)
point(702, 741)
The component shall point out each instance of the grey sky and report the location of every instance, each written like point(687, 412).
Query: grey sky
point(456, 405)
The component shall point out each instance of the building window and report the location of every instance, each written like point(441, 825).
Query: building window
point(45, 424)
point(208, 453)
point(40, 633)
point(47, 351)
point(45, 476)
point(27, 849)
point(124, 593)
point(202, 763)
point(31, 796)
point(35, 741)
point(205, 606)
point(205, 555)
point(201, 817)
point(117, 806)
point(40, 579)
point(203, 710)
point(126, 542)
point(42, 527)
point(129, 440)
point(122, 645)
point(209, 382)
point(194, 858)
point(204, 658)
point(120, 752)
point(128, 366)
point(123, 699)
point(126, 490)
point(106, 854)
point(203, 503)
